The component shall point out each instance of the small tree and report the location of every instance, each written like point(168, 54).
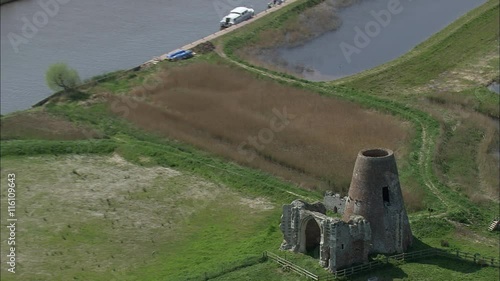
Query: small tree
point(60, 77)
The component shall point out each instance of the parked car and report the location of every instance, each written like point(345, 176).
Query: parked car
point(275, 3)
point(236, 16)
point(180, 55)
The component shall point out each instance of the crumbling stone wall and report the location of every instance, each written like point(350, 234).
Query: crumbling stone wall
point(292, 221)
point(334, 202)
point(334, 240)
point(349, 242)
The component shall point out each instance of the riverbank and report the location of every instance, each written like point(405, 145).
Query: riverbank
point(115, 39)
point(298, 26)
point(163, 57)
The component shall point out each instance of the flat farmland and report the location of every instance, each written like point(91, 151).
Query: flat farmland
point(103, 218)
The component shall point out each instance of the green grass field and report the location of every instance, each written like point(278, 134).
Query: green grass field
point(99, 217)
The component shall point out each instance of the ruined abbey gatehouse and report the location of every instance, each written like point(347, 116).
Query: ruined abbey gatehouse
point(374, 218)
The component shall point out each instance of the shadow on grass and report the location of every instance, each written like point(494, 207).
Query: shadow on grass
point(449, 263)
point(387, 273)
point(425, 266)
point(76, 95)
point(461, 266)
point(393, 270)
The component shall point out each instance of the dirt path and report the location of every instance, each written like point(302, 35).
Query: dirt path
point(425, 158)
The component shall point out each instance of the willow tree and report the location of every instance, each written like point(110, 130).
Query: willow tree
point(60, 77)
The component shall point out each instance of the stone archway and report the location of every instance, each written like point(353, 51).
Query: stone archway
point(312, 235)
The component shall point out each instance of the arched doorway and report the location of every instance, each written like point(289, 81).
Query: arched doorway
point(312, 238)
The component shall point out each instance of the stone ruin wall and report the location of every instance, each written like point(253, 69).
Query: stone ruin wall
point(374, 218)
point(339, 243)
point(334, 202)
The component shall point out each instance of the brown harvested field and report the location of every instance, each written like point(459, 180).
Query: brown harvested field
point(231, 113)
point(42, 125)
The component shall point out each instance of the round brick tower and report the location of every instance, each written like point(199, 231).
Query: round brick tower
point(376, 195)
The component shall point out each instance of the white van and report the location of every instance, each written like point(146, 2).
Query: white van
point(236, 16)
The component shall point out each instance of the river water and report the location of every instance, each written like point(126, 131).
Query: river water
point(95, 37)
point(337, 54)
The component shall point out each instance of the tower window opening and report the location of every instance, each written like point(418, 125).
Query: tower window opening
point(385, 194)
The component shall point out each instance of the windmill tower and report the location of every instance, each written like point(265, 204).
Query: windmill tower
point(375, 194)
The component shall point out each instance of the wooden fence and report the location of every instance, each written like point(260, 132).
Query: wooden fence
point(453, 254)
point(291, 266)
point(456, 254)
point(476, 258)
